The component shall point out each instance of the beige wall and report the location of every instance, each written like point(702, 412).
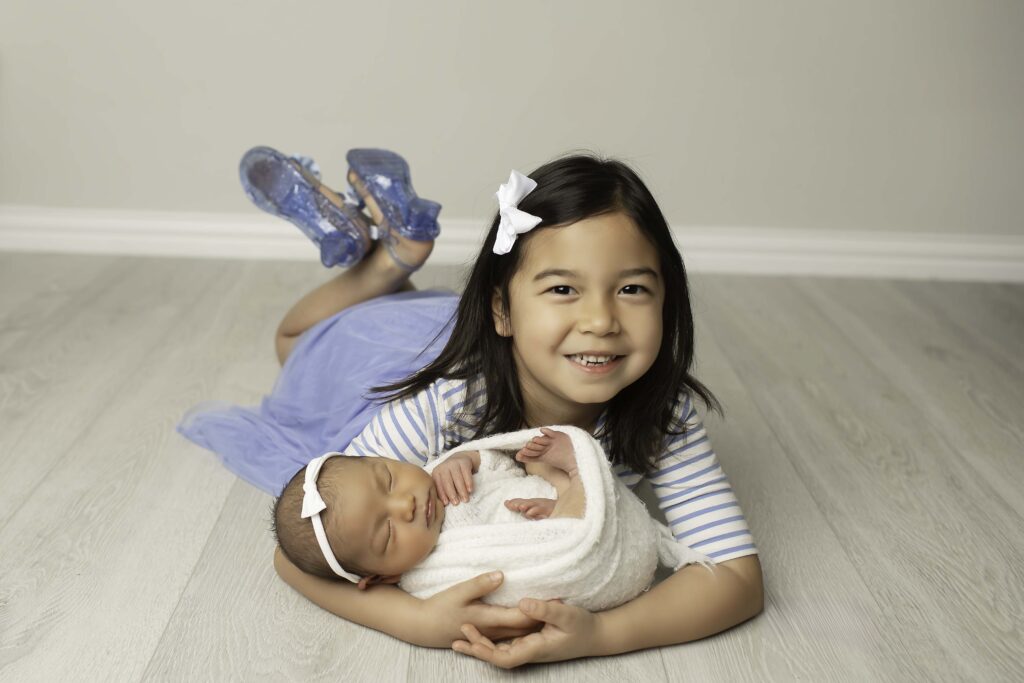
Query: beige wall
point(874, 115)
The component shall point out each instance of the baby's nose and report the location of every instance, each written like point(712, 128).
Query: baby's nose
point(405, 506)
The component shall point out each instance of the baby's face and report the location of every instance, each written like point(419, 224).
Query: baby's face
point(380, 515)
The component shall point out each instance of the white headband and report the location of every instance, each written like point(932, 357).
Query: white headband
point(513, 221)
point(313, 505)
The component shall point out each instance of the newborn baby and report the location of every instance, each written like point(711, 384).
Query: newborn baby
point(371, 519)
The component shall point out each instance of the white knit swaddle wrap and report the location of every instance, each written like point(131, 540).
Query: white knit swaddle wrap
point(602, 560)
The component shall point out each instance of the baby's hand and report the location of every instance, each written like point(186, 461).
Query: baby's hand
point(454, 477)
point(552, 448)
point(531, 508)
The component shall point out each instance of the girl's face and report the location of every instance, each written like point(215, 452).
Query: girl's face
point(591, 288)
point(380, 515)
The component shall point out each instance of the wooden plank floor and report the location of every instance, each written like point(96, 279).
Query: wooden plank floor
point(874, 433)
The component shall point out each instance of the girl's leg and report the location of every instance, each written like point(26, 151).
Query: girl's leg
point(377, 274)
point(373, 276)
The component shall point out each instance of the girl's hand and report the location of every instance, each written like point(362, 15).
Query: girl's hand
point(454, 477)
point(447, 612)
point(569, 632)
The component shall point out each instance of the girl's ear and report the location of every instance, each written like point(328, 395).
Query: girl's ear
point(501, 324)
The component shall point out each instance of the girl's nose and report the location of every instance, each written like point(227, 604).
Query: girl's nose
point(598, 317)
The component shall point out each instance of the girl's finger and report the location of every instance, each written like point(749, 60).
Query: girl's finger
point(501, 622)
point(474, 636)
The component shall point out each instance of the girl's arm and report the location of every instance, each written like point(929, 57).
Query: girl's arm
point(430, 623)
point(691, 604)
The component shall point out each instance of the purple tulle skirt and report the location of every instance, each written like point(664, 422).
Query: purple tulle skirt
point(320, 400)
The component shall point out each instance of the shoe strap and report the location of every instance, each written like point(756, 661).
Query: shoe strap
point(399, 262)
point(309, 164)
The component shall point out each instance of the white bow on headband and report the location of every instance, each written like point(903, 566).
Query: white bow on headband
point(312, 505)
point(513, 221)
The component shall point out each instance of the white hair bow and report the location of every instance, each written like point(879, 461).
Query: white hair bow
point(513, 221)
point(312, 505)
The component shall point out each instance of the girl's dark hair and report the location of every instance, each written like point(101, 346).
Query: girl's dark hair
point(571, 189)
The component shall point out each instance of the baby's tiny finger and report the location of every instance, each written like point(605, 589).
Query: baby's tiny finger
point(460, 492)
point(449, 490)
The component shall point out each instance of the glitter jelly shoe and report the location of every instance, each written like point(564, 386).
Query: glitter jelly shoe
point(385, 175)
point(290, 188)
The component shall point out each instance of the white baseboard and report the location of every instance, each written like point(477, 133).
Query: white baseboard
point(870, 254)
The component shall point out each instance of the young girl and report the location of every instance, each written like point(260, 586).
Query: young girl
point(576, 312)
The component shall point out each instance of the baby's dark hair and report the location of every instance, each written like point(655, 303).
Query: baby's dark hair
point(295, 535)
point(571, 189)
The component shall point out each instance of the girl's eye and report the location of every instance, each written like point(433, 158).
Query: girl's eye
point(563, 289)
point(566, 287)
point(640, 289)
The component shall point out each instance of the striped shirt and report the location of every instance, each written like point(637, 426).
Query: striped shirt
point(687, 479)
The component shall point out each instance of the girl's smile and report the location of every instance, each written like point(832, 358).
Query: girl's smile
point(585, 317)
point(594, 363)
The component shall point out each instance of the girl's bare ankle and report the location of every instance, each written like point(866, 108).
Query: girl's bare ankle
point(382, 265)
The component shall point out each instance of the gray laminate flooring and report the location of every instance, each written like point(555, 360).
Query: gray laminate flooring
point(873, 433)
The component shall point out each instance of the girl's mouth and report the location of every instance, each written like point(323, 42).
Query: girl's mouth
point(595, 365)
